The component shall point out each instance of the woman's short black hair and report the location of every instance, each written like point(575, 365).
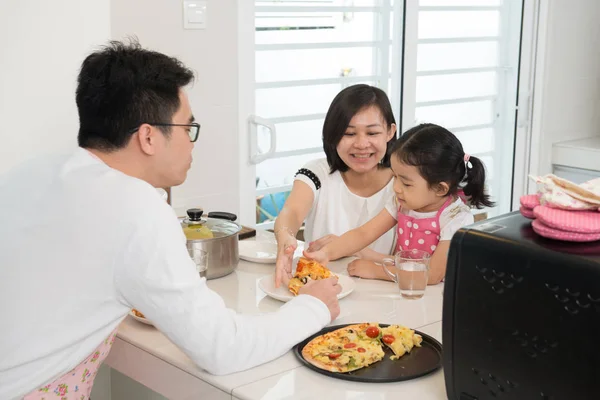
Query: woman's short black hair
point(346, 105)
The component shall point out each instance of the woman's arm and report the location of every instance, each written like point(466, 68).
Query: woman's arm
point(437, 263)
point(295, 208)
point(289, 220)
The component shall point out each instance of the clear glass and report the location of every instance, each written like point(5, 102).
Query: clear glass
point(293, 101)
point(452, 24)
point(457, 115)
point(316, 27)
point(410, 270)
point(294, 65)
point(281, 171)
point(444, 56)
point(453, 86)
point(453, 3)
point(200, 258)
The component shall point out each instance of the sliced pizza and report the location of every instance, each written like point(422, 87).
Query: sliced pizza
point(307, 270)
point(400, 339)
point(346, 349)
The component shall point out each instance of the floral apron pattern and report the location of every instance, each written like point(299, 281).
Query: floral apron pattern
point(77, 383)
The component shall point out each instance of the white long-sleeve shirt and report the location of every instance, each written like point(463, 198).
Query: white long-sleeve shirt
point(80, 245)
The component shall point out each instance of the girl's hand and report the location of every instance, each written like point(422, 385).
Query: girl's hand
point(319, 256)
point(286, 246)
point(367, 269)
point(319, 243)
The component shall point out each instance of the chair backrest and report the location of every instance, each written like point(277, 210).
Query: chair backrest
point(480, 216)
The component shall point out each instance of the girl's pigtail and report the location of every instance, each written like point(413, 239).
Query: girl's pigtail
point(475, 183)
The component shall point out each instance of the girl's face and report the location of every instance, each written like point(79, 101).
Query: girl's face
point(364, 143)
point(413, 191)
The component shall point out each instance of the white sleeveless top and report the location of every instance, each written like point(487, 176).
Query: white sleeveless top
point(336, 209)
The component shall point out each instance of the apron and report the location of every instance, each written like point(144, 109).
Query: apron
point(77, 383)
point(419, 233)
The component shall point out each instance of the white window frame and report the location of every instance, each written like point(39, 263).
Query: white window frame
point(527, 137)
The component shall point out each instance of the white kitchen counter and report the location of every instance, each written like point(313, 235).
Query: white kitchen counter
point(582, 153)
point(147, 356)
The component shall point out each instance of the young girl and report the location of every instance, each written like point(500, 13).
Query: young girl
point(433, 177)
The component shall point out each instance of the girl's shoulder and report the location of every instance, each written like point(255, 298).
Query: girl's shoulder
point(457, 212)
point(457, 207)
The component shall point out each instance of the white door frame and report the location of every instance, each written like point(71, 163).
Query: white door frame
point(529, 110)
point(246, 71)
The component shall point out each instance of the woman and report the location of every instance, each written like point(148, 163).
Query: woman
point(350, 186)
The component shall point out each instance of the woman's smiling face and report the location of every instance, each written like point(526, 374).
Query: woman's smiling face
point(364, 143)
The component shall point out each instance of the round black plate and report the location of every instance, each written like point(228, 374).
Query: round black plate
point(420, 361)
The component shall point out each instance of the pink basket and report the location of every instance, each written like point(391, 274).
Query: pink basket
point(530, 201)
point(556, 234)
point(527, 212)
point(570, 221)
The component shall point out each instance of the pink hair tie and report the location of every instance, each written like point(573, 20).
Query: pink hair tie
point(468, 164)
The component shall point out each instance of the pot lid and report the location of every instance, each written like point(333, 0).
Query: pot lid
point(197, 226)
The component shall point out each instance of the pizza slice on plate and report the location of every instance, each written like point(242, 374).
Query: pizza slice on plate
point(400, 339)
point(307, 270)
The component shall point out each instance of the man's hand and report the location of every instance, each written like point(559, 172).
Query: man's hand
point(325, 290)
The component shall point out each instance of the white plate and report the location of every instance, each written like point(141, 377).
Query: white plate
point(140, 319)
point(282, 293)
point(261, 252)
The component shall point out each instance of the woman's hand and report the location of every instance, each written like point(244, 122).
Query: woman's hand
point(286, 246)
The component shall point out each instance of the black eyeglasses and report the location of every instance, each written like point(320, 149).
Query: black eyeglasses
point(193, 132)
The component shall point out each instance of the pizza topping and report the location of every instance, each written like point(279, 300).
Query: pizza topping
point(352, 363)
point(361, 350)
point(388, 339)
point(333, 356)
point(349, 345)
point(372, 332)
point(305, 279)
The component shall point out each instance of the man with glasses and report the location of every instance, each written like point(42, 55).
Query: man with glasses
point(86, 237)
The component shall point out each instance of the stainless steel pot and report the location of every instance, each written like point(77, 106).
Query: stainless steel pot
point(218, 235)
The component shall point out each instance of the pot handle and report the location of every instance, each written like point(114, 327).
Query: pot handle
point(222, 215)
point(389, 262)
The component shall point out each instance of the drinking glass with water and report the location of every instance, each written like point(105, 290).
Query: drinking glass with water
point(200, 258)
point(410, 270)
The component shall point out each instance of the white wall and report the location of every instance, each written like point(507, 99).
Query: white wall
point(42, 46)
point(212, 53)
point(568, 106)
